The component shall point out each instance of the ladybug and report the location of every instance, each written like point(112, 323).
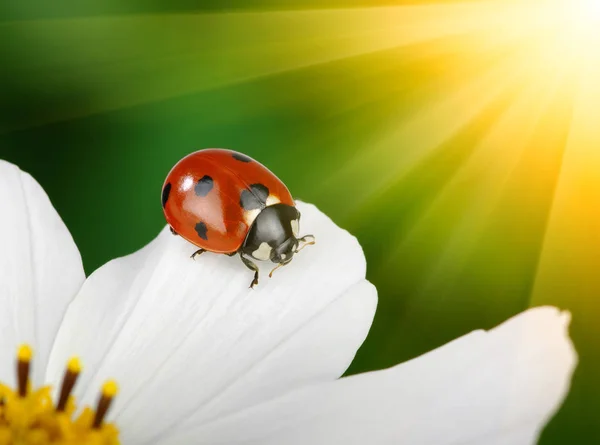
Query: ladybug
point(225, 202)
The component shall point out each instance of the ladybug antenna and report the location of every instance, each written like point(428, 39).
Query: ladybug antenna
point(307, 240)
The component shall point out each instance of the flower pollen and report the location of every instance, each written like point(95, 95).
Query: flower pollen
point(30, 417)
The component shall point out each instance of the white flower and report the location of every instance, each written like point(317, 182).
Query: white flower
point(202, 359)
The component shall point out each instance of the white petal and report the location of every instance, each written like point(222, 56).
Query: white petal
point(185, 336)
point(494, 388)
point(40, 270)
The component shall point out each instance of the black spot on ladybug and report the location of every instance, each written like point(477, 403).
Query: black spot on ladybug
point(204, 185)
point(255, 198)
point(201, 230)
point(241, 157)
point(165, 194)
point(260, 191)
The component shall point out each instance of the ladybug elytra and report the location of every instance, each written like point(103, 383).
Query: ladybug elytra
point(225, 202)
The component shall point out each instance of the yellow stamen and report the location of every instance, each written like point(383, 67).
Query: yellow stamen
point(110, 388)
point(74, 365)
point(109, 391)
point(28, 416)
point(25, 353)
point(23, 366)
point(69, 380)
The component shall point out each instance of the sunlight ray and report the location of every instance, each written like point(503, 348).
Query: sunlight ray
point(409, 142)
point(570, 258)
point(384, 89)
point(124, 61)
point(472, 194)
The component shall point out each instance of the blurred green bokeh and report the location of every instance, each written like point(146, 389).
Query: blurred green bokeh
point(402, 137)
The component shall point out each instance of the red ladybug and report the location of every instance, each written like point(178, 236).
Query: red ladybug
point(226, 202)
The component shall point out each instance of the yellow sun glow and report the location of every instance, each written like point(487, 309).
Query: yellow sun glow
point(589, 10)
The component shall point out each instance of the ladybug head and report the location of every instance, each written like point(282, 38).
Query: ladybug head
point(274, 235)
point(283, 253)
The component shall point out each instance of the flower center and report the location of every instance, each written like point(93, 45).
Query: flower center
point(29, 417)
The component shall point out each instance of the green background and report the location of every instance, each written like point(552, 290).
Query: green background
point(100, 99)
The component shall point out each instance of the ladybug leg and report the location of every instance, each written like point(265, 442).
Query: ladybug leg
point(250, 265)
point(196, 253)
point(231, 254)
point(308, 240)
point(173, 231)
